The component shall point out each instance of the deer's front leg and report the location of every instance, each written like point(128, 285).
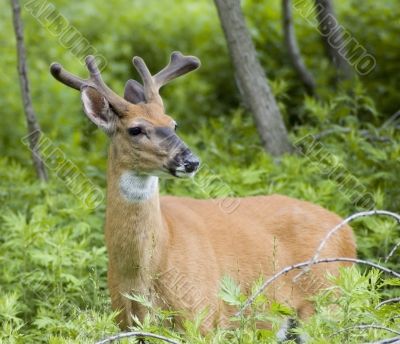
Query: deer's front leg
point(119, 288)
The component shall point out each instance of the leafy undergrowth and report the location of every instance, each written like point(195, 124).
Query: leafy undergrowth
point(53, 261)
point(353, 300)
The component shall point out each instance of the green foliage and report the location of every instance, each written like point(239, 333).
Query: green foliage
point(353, 299)
point(53, 263)
point(357, 305)
point(52, 257)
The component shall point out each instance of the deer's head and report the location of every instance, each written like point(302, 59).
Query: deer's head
point(141, 133)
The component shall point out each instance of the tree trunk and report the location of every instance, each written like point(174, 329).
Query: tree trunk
point(33, 125)
point(329, 27)
point(253, 84)
point(293, 48)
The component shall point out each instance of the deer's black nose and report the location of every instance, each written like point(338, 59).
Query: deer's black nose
point(191, 164)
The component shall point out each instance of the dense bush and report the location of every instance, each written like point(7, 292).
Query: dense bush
point(52, 256)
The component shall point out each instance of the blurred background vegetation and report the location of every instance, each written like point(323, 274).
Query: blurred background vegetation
point(52, 256)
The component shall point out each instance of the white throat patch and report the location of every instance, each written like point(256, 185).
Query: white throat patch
point(135, 188)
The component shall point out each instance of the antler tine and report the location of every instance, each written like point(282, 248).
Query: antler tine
point(178, 65)
point(95, 80)
point(117, 102)
point(150, 89)
point(65, 77)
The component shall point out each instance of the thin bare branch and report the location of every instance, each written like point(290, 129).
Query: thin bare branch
point(365, 327)
point(379, 305)
point(393, 340)
point(392, 251)
point(31, 120)
point(392, 120)
point(137, 334)
point(307, 264)
point(336, 52)
point(342, 224)
point(365, 133)
point(294, 50)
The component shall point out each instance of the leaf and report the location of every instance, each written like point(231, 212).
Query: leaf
point(230, 291)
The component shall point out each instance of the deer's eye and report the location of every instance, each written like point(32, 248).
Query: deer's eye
point(135, 131)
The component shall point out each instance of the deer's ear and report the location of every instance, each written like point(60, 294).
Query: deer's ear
point(98, 109)
point(134, 92)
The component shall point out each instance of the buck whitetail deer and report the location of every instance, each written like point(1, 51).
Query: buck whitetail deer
point(175, 250)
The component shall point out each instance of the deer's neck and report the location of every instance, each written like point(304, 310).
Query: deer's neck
point(135, 232)
point(136, 188)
